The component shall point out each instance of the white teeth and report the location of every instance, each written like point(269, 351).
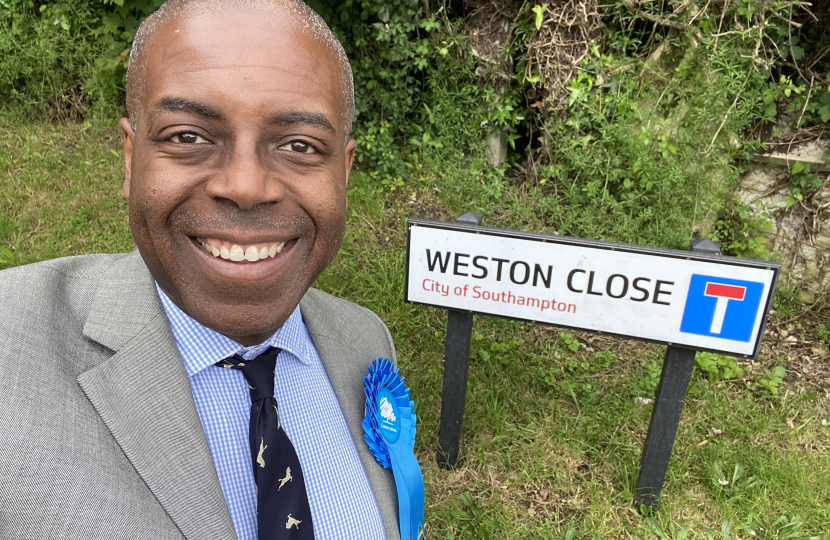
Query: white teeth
point(236, 253)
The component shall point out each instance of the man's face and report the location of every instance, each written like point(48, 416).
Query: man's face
point(237, 173)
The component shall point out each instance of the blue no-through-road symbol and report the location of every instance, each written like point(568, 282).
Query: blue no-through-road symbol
point(721, 307)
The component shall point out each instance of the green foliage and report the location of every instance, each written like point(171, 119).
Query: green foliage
point(652, 377)
point(8, 258)
point(772, 379)
point(802, 182)
point(568, 376)
point(114, 35)
point(786, 301)
point(718, 366)
point(503, 353)
point(642, 158)
point(810, 101)
point(671, 531)
point(389, 48)
point(783, 527)
point(569, 341)
point(732, 483)
point(741, 232)
point(75, 55)
point(46, 55)
point(474, 520)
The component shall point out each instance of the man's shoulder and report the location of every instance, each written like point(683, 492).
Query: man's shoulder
point(76, 267)
point(53, 284)
point(329, 316)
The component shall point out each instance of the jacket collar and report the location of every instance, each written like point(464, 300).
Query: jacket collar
point(143, 396)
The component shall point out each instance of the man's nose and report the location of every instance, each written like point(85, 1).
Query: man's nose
point(245, 179)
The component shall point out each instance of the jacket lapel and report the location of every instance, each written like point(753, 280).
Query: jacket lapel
point(143, 395)
point(346, 365)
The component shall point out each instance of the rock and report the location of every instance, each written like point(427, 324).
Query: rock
point(803, 251)
point(811, 153)
point(497, 148)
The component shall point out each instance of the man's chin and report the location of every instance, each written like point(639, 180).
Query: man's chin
point(245, 314)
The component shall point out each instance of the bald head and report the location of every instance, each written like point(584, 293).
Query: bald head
point(306, 19)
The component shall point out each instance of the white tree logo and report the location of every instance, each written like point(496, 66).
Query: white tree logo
point(386, 410)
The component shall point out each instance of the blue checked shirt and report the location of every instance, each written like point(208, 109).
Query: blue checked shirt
point(341, 499)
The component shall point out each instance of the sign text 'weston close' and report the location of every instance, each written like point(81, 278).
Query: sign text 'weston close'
point(667, 296)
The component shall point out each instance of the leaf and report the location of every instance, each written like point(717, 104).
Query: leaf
point(6, 255)
point(824, 113)
point(540, 15)
point(797, 52)
point(797, 167)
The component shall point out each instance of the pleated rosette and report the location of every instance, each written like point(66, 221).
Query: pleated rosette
point(389, 430)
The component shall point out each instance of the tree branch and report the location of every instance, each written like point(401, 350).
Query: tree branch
point(631, 5)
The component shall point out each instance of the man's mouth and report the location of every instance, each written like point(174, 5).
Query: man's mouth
point(240, 252)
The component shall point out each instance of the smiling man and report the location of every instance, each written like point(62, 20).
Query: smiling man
point(198, 388)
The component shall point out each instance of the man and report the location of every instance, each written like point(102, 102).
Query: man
point(127, 396)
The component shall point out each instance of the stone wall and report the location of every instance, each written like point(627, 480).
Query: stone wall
point(800, 236)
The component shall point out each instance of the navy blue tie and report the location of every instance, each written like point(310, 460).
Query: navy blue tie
point(282, 502)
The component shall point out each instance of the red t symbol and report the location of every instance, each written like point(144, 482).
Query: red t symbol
point(724, 293)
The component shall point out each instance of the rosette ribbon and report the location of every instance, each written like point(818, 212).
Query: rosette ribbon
point(389, 430)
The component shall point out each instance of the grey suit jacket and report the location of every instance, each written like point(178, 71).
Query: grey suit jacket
point(99, 433)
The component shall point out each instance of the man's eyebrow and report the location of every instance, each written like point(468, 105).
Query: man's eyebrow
point(301, 117)
point(172, 104)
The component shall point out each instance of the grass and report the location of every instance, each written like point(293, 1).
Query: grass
point(553, 434)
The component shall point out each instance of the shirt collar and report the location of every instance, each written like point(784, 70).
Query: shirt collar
point(202, 347)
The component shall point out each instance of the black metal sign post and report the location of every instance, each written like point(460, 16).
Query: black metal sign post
point(679, 360)
point(456, 364)
point(665, 415)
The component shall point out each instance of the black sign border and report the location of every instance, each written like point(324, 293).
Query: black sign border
point(596, 244)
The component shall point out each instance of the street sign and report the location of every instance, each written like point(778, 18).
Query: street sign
point(690, 301)
point(700, 301)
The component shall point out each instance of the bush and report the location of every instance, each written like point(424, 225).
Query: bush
point(46, 56)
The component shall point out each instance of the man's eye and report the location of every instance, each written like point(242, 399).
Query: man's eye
point(187, 138)
point(298, 146)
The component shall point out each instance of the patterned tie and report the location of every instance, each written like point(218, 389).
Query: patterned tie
point(282, 503)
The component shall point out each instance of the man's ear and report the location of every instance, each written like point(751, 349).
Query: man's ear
point(129, 140)
point(350, 147)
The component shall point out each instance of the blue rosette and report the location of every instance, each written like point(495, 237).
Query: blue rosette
point(389, 430)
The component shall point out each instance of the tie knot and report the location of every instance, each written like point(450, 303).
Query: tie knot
point(259, 372)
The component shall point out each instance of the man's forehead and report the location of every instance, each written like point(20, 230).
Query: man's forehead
point(238, 54)
point(308, 26)
point(237, 38)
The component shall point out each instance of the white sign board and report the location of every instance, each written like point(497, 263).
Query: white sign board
point(705, 302)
